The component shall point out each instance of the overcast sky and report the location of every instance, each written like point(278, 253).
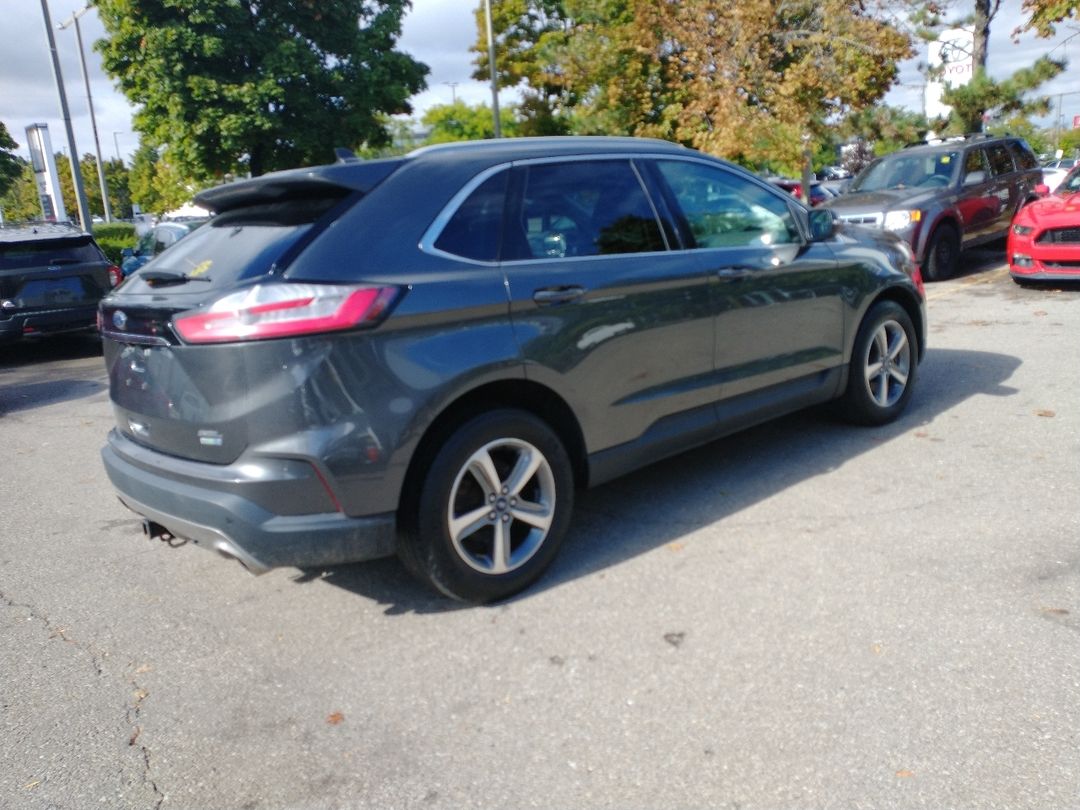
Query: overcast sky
point(437, 32)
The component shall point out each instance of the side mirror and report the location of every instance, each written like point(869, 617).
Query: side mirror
point(975, 178)
point(822, 224)
point(127, 253)
point(1041, 189)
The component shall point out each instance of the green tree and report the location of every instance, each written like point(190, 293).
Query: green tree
point(20, 202)
point(528, 34)
point(256, 85)
point(885, 128)
point(10, 165)
point(981, 97)
point(1045, 15)
point(462, 122)
point(155, 184)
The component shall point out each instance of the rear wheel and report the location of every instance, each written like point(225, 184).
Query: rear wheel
point(492, 509)
point(884, 362)
point(942, 253)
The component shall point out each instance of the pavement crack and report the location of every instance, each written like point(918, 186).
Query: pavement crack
point(139, 694)
point(56, 631)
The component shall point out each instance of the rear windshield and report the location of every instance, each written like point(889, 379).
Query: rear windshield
point(239, 244)
point(24, 255)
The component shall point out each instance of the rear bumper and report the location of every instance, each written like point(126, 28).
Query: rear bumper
point(238, 527)
point(47, 322)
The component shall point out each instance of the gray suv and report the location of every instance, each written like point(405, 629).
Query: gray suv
point(943, 197)
point(428, 355)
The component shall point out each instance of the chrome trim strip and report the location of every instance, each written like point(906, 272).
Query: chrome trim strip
point(135, 340)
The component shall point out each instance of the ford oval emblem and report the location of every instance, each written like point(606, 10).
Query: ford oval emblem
point(119, 319)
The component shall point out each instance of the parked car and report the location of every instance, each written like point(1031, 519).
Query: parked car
point(818, 192)
point(52, 277)
point(1044, 240)
point(429, 354)
point(1054, 171)
point(944, 197)
point(155, 240)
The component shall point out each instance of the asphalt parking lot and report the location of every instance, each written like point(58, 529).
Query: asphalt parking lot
point(806, 615)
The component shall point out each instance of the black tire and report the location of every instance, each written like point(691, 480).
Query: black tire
point(942, 254)
point(482, 470)
point(877, 392)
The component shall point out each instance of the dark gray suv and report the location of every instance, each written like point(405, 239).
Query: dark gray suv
point(428, 355)
point(944, 197)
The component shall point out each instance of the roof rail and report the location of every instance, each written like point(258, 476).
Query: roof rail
point(968, 136)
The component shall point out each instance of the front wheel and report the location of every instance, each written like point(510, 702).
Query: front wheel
point(492, 509)
point(884, 361)
point(942, 254)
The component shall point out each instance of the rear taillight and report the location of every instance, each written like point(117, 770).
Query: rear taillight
point(286, 310)
point(116, 275)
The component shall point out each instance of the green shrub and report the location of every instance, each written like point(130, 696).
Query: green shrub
point(114, 237)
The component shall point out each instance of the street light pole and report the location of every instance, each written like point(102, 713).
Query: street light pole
point(73, 154)
point(116, 143)
point(491, 61)
point(90, 103)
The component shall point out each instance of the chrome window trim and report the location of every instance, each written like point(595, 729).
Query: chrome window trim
point(435, 229)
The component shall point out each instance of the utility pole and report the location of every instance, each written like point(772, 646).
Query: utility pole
point(491, 61)
point(453, 91)
point(73, 156)
point(90, 103)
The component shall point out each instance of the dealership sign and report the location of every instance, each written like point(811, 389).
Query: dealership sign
point(951, 63)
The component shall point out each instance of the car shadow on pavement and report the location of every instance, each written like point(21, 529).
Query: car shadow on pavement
point(38, 373)
point(661, 503)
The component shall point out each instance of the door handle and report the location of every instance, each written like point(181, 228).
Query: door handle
point(557, 295)
point(735, 273)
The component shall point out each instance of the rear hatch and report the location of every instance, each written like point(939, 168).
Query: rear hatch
point(39, 275)
point(209, 402)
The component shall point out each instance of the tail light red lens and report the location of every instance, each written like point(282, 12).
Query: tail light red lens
point(116, 275)
point(286, 310)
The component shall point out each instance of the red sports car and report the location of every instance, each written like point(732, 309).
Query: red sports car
point(1044, 239)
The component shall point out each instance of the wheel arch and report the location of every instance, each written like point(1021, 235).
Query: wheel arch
point(950, 218)
point(910, 303)
point(524, 395)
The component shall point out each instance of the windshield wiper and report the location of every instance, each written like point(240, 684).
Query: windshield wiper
point(163, 277)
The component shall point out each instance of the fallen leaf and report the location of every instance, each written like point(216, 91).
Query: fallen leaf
point(143, 669)
point(140, 695)
point(1056, 611)
point(335, 719)
point(1039, 313)
point(676, 546)
point(877, 649)
point(1045, 412)
point(674, 639)
point(921, 434)
point(32, 785)
point(905, 774)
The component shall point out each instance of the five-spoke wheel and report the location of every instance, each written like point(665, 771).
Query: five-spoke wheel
point(492, 509)
point(884, 361)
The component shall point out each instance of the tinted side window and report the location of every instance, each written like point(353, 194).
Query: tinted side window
point(582, 208)
point(1001, 160)
point(1022, 155)
point(723, 209)
point(475, 229)
point(975, 161)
